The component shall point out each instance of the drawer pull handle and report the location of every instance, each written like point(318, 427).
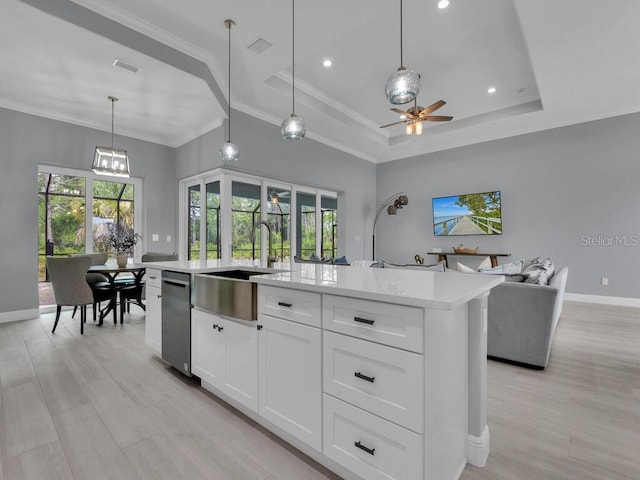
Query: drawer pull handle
point(370, 451)
point(364, 377)
point(363, 320)
point(285, 304)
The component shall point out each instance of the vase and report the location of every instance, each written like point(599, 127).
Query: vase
point(121, 259)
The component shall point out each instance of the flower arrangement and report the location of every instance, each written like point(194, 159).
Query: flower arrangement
point(122, 240)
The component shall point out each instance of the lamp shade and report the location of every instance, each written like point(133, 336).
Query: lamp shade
point(402, 86)
point(229, 152)
point(293, 128)
point(111, 161)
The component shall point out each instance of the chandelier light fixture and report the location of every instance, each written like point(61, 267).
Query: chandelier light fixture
point(404, 85)
point(293, 128)
point(111, 161)
point(229, 151)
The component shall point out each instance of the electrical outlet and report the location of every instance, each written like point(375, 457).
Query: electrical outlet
point(605, 281)
point(155, 237)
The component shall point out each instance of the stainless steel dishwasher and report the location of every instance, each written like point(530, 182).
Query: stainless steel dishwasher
point(176, 320)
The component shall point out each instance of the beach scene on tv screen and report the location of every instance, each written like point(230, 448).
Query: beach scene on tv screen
point(469, 214)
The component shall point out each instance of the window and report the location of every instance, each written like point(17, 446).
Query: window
point(306, 231)
point(329, 208)
point(61, 217)
point(213, 220)
point(302, 220)
point(193, 236)
point(245, 212)
point(65, 195)
point(279, 219)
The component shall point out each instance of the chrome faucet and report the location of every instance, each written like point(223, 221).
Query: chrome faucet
point(271, 258)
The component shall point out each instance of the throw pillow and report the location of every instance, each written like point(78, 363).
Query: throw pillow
point(341, 260)
point(539, 271)
point(378, 264)
point(463, 268)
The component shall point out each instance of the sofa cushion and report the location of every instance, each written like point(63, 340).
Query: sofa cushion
point(513, 268)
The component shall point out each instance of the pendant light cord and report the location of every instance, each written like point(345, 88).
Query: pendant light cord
point(229, 79)
point(401, 60)
point(113, 102)
point(293, 57)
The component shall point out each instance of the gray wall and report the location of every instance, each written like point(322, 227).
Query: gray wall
point(28, 140)
point(557, 187)
point(264, 152)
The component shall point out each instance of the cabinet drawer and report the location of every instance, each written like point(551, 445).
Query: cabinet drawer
point(380, 379)
point(396, 325)
point(153, 277)
point(295, 305)
point(369, 446)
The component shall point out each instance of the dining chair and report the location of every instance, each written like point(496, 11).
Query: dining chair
point(70, 287)
point(102, 290)
point(136, 293)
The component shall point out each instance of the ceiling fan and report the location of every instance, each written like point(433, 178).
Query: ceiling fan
point(414, 117)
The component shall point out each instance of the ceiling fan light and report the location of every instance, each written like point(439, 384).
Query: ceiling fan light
point(418, 128)
point(402, 87)
point(293, 128)
point(409, 129)
point(229, 151)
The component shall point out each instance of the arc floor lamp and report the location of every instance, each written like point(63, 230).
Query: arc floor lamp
point(392, 204)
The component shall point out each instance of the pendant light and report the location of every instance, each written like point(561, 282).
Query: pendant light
point(293, 127)
point(403, 86)
point(229, 151)
point(111, 161)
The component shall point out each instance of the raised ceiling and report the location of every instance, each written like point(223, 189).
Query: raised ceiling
point(553, 63)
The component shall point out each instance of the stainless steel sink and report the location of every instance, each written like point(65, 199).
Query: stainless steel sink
point(230, 293)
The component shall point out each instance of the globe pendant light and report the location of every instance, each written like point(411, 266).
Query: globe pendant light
point(111, 161)
point(404, 85)
point(293, 127)
point(229, 151)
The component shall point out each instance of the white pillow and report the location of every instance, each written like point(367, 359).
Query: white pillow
point(463, 268)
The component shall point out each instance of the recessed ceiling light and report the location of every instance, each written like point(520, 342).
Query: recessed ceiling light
point(443, 3)
point(327, 63)
point(491, 90)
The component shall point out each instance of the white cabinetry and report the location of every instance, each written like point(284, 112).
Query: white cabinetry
point(370, 375)
point(224, 354)
point(290, 378)
point(153, 317)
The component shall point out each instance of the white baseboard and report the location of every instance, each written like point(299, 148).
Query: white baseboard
point(602, 300)
point(478, 448)
point(19, 315)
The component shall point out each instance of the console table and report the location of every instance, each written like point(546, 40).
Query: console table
point(493, 256)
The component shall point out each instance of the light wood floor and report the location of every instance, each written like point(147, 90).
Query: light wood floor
point(101, 406)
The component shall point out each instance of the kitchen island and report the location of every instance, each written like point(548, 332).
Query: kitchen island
point(375, 373)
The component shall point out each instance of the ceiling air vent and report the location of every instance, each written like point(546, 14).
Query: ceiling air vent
point(259, 45)
point(129, 67)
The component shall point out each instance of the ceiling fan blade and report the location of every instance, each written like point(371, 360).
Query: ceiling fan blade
point(437, 118)
point(394, 123)
point(397, 110)
point(433, 107)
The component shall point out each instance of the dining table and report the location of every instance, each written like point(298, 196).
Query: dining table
point(134, 271)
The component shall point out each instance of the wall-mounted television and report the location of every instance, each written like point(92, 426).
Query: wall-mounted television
point(468, 214)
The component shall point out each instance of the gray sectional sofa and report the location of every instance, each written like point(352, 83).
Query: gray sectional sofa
point(522, 320)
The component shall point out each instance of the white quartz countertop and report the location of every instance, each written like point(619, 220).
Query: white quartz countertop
point(204, 266)
point(440, 290)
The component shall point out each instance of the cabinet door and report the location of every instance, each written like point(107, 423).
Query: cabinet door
point(153, 318)
point(207, 345)
point(240, 377)
point(290, 378)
